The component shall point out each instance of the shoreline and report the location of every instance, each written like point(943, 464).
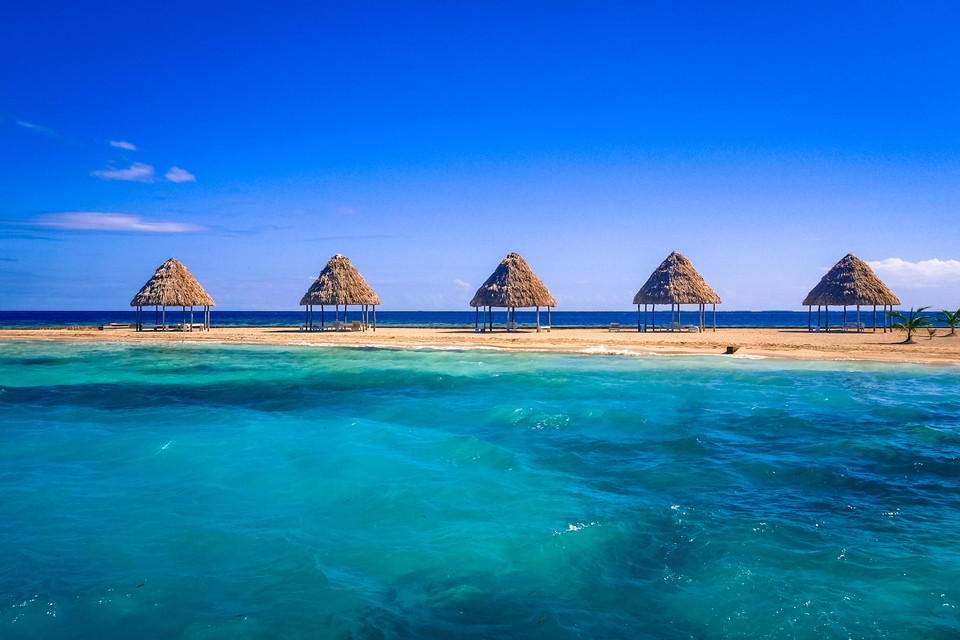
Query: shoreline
point(783, 343)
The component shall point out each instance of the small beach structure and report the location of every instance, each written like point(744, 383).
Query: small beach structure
point(675, 282)
point(172, 285)
point(511, 286)
point(340, 284)
point(850, 282)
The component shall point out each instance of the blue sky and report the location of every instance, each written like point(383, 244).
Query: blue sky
point(426, 140)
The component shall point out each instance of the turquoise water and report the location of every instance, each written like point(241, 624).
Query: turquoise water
point(222, 492)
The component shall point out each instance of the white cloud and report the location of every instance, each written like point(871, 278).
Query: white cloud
point(36, 128)
point(926, 273)
point(120, 144)
point(461, 284)
point(99, 221)
point(176, 174)
point(138, 172)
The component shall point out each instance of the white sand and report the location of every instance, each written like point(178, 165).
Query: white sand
point(777, 343)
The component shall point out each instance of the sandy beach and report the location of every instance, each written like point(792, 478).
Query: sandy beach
point(775, 343)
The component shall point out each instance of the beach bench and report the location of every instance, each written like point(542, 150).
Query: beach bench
point(356, 326)
point(511, 326)
point(852, 326)
point(676, 326)
point(117, 325)
point(614, 326)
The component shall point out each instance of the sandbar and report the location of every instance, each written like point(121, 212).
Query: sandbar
point(789, 343)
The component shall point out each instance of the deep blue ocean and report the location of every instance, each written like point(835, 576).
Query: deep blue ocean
point(193, 491)
point(26, 319)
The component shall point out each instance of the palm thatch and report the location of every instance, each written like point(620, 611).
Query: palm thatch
point(339, 283)
point(851, 282)
point(675, 281)
point(513, 285)
point(172, 285)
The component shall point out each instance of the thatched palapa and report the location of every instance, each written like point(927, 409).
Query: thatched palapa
point(850, 282)
point(172, 285)
point(340, 284)
point(675, 282)
point(512, 285)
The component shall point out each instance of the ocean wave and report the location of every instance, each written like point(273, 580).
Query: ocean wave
point(602, 350)
point(573, 528)
point(400, 347)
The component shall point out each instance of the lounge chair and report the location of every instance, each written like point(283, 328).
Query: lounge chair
point(614, 326)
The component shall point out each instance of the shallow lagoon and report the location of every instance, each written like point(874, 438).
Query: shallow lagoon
point(208, 492)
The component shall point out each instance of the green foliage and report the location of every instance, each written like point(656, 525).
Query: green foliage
point(951, 319)
point(910, 322)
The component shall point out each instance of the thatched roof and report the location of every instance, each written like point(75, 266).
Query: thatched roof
point(675, 281)
point(513, 284)
point(339, 283)
point(851, 282)
point(172, 285)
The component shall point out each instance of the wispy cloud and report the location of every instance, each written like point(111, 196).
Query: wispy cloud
point(176, 174)
point(99, 221)
point(120, 144)
point(142, 172)
point(36, 128)
point(926, 273)
point(461, 284)
point(346, 211)
point(138, 172)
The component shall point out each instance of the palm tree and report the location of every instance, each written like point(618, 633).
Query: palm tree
point(910, 322)
point(951, 319)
